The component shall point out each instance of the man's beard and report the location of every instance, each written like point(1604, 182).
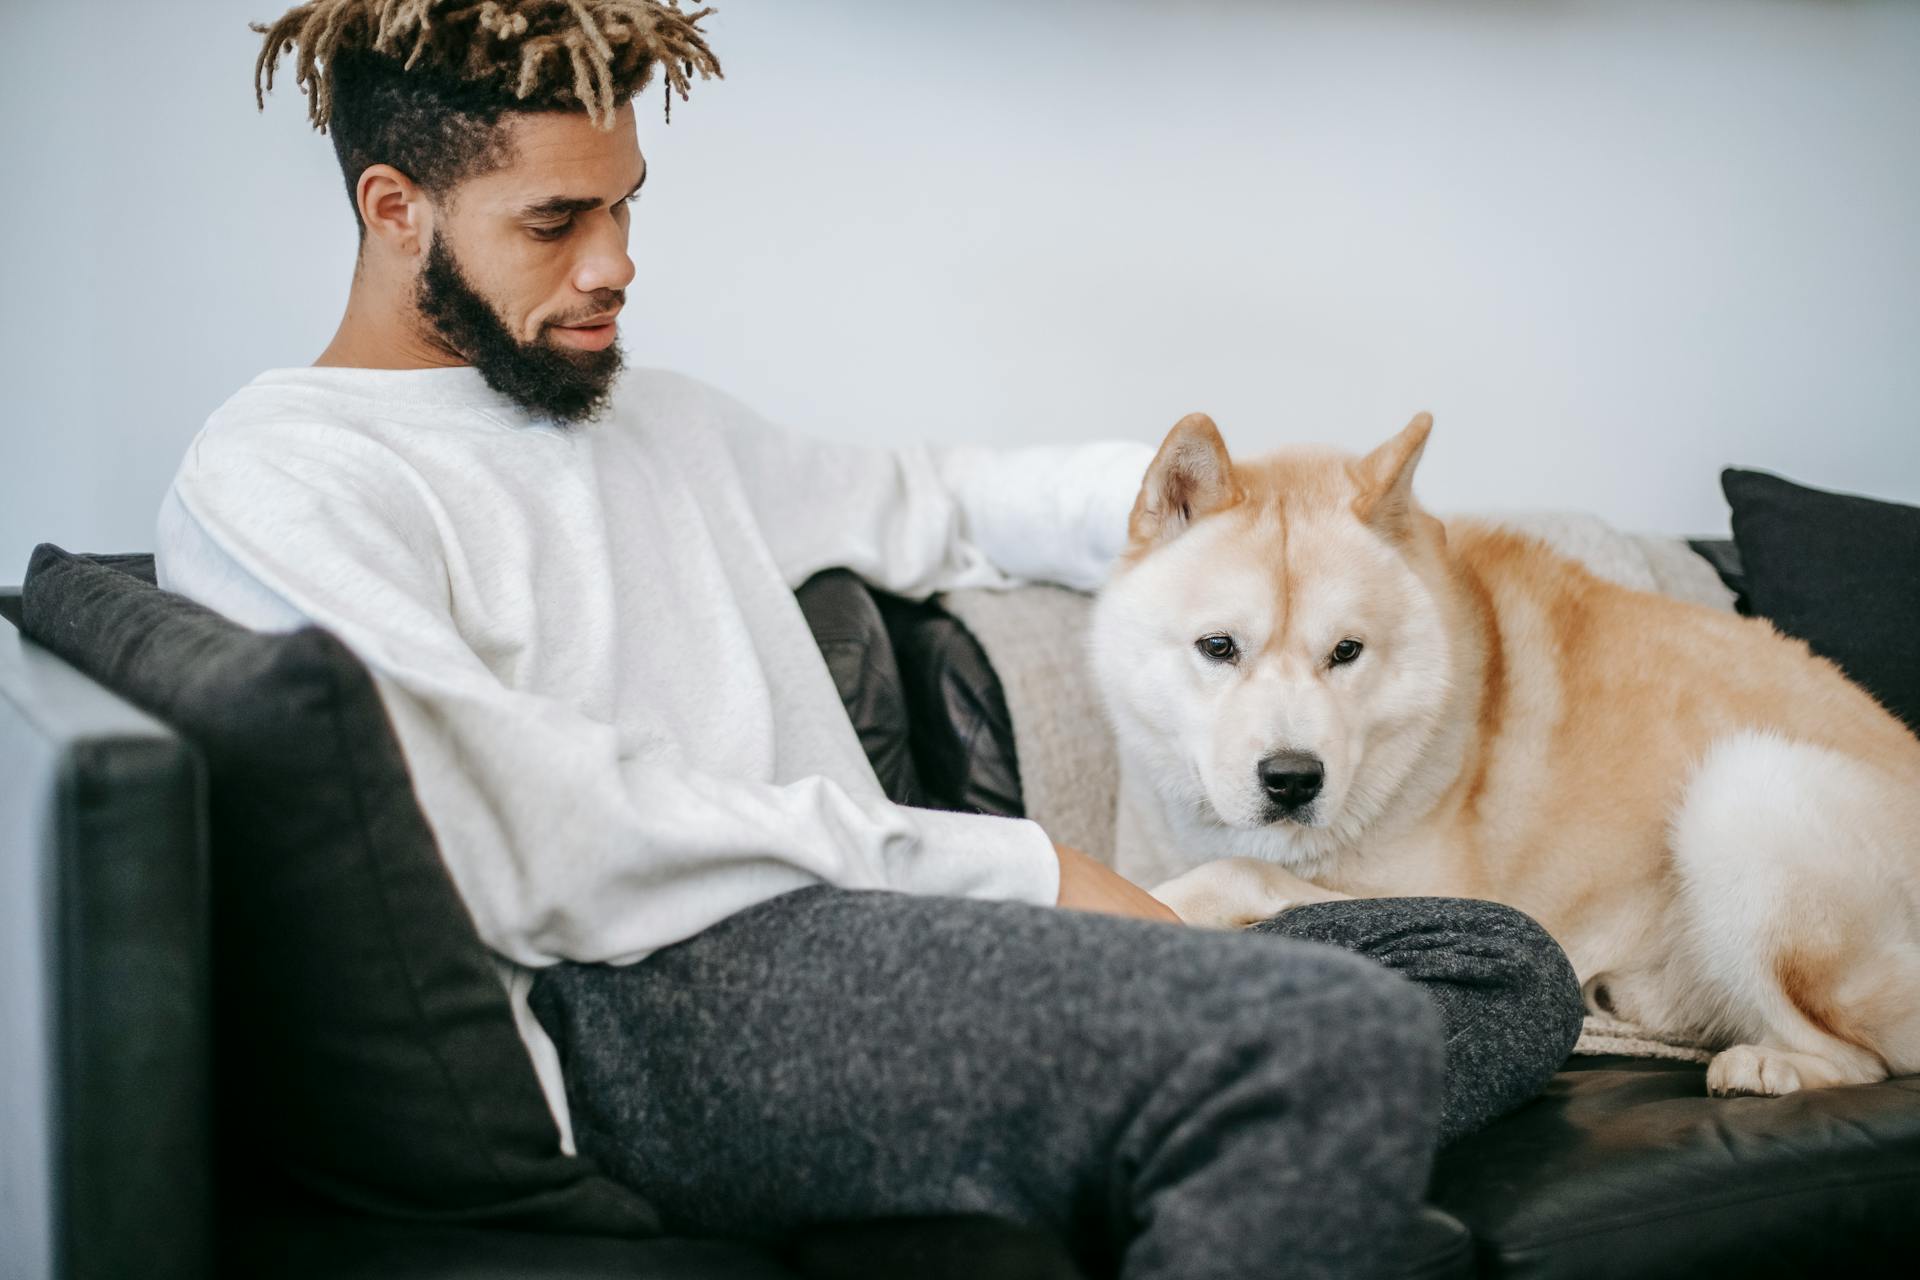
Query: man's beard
point(545, 380)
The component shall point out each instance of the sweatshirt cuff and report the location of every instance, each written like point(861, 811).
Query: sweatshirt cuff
point(1048, 513)
point(1116, 474)
point(977, 855)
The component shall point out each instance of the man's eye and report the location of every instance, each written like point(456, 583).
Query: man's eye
point(1346, 651)
point(1218, 647)
point(550, 232)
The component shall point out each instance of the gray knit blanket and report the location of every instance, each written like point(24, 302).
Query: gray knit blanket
point(1068, 768)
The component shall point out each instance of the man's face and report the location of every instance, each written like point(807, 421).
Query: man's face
point(528, 264)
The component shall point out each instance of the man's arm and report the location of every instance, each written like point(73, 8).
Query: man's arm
point(916, 519)
point(1090, 885)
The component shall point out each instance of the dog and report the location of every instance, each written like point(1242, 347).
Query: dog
point(1319, 690)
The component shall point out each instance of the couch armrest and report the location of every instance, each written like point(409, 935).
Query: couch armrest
point(104, 1094)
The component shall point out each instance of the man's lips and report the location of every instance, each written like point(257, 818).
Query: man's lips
point(596, 334)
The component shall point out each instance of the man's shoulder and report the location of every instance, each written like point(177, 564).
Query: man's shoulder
point(348, 419)
point(273, 408)
point(280, 436)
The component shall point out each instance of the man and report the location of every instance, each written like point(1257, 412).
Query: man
point(778, 997)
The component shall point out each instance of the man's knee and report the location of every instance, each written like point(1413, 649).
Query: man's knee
point(1487, 945)
point(1538, 974)
point(1293, 1098)
point(1343, 1027)
point(1382, 1019)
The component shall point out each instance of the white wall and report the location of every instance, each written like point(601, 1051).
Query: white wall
point(1613, 246)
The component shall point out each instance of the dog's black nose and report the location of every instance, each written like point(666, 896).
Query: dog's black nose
point(1291, 778)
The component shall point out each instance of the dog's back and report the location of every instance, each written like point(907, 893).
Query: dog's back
point(1722, 826)
point(1601, 702)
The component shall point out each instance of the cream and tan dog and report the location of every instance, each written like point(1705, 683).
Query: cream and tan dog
point(1319, 690)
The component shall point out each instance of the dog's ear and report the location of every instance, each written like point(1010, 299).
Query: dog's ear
point(1385, 479)
point(1190, 477)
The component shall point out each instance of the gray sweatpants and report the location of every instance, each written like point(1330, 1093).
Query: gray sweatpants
point(1171, 1102)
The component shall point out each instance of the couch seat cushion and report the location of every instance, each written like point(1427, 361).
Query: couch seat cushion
point(1624, 1167)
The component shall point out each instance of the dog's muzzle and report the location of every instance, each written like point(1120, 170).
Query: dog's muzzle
point(1291, 781)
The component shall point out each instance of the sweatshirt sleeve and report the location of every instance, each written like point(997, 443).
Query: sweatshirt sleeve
point(564, 841)
point(917, 519)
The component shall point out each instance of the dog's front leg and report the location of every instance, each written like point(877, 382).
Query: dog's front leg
point(1232, 893)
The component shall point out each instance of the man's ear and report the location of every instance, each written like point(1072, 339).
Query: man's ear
point(1190, 477)
point(1385, 479)
point(394, 210)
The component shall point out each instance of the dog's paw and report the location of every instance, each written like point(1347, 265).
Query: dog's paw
point(1750, 1069)
point(1770, 1072)
point(1230, 893)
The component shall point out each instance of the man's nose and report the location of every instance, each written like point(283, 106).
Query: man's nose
point(606, 265)
point(1291, 779)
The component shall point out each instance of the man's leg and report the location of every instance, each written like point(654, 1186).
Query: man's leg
point(1181, 1102)
point(1505, 990)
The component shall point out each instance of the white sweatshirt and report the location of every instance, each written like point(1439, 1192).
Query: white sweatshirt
point(617, 723)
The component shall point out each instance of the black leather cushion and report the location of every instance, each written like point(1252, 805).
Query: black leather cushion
point(962, 733)
point(1438, 1247)
point(287, 1235)
point(290, 1237)
point(363, 1041)
point(1839, 571)
point(921, 694)
point(932, 1248)
point(852, 636)
point(105, 1103)
point(1624, 1167)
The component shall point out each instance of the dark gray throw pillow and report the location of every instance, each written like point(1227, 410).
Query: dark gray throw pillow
point(1839, 571)
point(363, 1043)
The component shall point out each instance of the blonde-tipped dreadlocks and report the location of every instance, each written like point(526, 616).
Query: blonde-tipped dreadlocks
point(545, 54)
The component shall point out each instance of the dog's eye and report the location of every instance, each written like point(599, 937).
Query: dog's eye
point(1346, 651)
point(1219, 648)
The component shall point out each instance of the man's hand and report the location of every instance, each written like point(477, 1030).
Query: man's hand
point(1087, 885)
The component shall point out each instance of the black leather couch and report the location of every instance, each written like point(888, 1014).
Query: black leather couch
point(1623, 1168)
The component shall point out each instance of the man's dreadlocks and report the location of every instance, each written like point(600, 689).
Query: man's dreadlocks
point(589, 55)
point(423, 85)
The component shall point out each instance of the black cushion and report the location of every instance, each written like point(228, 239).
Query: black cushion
point(1625, 1167)
point(287, 1235)
point(852, 636)
point(921, 694)
point(363, 1043)
point(1840, 572)
point(962, 733)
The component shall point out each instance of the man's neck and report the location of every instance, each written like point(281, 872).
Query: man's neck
point(381, 330)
